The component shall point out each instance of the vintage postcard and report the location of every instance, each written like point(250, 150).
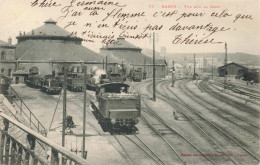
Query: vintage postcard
point(129, 82)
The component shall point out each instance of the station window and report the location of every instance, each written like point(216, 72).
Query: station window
point(2, 70)
point(3, 56)
point(34, 70)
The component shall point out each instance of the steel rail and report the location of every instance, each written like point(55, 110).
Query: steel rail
point(168, 98)
point(129, 158)
point(198, 99)
point(142, 149)
point(234, 103)
point(212, 93)
point(249, 152)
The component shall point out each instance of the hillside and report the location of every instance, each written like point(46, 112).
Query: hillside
point(242, 58)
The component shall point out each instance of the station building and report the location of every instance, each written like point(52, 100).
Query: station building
point(232, 69)
point(45, 50)
point(132, 56)
point(7, 59)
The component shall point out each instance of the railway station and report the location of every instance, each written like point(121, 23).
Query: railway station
point(62, 103)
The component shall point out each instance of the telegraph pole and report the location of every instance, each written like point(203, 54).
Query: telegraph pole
point(144, 64)
point(103, 64)
point(84, 112)
point(154, 94)
point(194, 67)
point(64, 105)
point(106, 64)
point(225, 80)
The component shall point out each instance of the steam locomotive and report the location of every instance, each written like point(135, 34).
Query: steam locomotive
point(48, 83)
point(115, 108)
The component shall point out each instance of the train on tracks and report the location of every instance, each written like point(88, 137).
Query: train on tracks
point(48, 83)
point(116, 109)
point(252, 76)
point(136, 75)
point(94, 81)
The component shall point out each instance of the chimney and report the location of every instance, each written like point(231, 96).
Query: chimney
point(10, 41)
point(24, 33)
point(20, 33)
point(32, 32)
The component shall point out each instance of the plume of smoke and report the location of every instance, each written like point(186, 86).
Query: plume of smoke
point(93, 70)
point(97, 75)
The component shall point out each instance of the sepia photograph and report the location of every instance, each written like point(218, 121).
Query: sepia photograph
point(129, 82)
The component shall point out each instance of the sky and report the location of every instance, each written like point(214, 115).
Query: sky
point(243, 36)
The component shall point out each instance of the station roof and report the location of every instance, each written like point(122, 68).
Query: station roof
point(122, 44)
point(232, 63)
point(43, 51)
point(128, 53)
point(20, 72)
point(48, 30)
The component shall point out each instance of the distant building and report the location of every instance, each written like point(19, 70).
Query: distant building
point(232, 69)
point(7, 59)
point(132, 57)
point(160, 68)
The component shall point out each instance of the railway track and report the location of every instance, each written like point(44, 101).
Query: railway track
point(192, 118)
point(246, 126)
point(191, 143)
point(141, 145)
point(239, 105)
point(162, 129)
point(251, 93)
point(256, 157)
point(128, 155)
point(250, 98)
point(217, 96)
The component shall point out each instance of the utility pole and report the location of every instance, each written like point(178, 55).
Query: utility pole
point(212, 67)
point(154, 94)
point(64, 105)
point(194, 67)
point(103, 64)
point(106, 64)
point(225, 78)
point(84, 112)
point(144, 72)
point(144, 64)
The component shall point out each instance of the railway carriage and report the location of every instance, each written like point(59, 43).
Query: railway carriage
point(115, 108)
